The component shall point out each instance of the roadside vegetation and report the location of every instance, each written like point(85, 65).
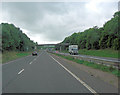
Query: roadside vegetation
point(15, 43)
point(100, 53)
point(13, 39)
point(93, 65)
point(97, 41)
point(97, 38)
point(12, 55)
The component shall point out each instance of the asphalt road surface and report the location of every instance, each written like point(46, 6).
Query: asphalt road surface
point(46, 73)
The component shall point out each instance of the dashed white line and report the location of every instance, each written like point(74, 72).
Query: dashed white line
point(83, 83)
point(21, 71)
point(30, 63)
point(34, 59)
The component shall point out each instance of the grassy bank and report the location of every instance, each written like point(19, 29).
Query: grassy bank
point(101, 53)
point(93, 65)
point(12, 55)
point(65, 51)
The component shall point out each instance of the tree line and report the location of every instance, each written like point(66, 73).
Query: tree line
point(104, 37)
point(13, 39)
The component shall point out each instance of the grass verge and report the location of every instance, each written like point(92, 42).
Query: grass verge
point(12, 55)
point(101, 53)
point(93, 65)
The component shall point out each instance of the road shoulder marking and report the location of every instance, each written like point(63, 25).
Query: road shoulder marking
point(21, 71)
point(15, 60)
point(83, 83)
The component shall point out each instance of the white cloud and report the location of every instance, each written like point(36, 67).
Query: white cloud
point(52, 22)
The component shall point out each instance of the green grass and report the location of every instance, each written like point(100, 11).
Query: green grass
point(93, 65)
point(65, 51)
point(12, 55)
point(101, 53)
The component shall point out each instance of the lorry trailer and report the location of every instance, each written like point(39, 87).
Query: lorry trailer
point(73, 49)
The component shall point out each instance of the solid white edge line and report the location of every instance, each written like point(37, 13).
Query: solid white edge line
point(14, 60)
point(21, 71)
point(88, 87)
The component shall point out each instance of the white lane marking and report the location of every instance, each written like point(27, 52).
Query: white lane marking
point(30, 63)
point(35, 58)
point(21, 71)
point(87, 86)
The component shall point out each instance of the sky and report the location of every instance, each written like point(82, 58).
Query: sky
point(51, 22)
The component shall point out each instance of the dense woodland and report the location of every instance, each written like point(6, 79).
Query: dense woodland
point(14, 39)
point(104, 37)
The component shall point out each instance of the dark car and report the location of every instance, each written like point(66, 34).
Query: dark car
point(34, 53)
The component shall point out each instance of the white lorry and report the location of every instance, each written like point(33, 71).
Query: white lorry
point(73, 49)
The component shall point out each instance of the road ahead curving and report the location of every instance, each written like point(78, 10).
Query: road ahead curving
point(46, 74)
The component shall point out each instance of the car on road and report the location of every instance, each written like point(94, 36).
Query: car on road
point(34, 53)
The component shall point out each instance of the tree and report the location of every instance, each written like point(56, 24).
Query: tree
point(98, 38)
point(14, 39)
point(116, 44)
